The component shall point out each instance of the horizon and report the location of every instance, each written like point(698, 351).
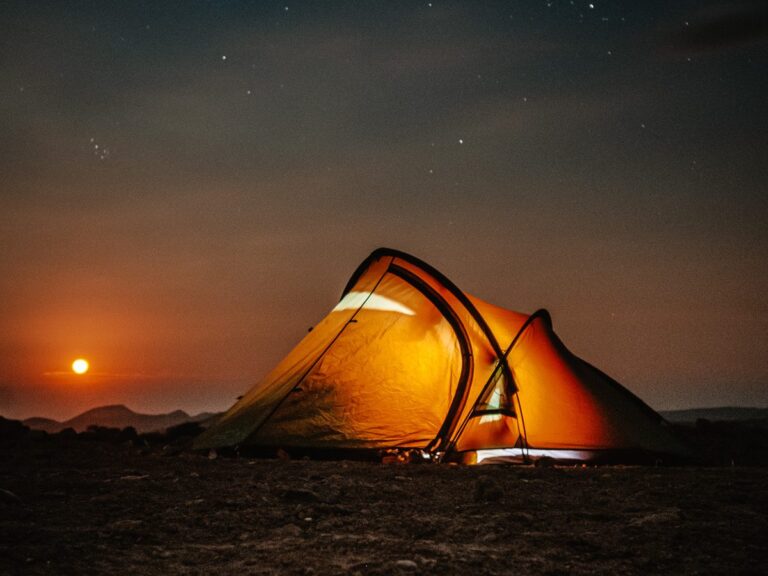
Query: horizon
point(188, 188)
point(196, 412)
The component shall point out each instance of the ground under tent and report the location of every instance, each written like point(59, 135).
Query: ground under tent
point(407, 362)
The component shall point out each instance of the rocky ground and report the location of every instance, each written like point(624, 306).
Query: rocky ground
point(75, 507)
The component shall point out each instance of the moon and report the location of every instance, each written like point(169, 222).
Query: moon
point(80, 366)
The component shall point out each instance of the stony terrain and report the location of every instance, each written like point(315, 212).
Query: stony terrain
point(74, 507)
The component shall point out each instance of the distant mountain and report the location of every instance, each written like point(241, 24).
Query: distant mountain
point(117, 416)
point(722, 414)
point(42, 424)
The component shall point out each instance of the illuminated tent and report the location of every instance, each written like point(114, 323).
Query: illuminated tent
point(406, 360)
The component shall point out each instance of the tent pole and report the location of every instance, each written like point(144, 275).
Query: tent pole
point(502, 361)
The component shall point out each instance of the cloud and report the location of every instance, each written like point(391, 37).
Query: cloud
point(721, 27)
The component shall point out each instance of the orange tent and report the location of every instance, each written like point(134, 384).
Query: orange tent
point(406, 360)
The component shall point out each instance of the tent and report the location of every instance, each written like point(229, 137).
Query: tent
point(407, 361)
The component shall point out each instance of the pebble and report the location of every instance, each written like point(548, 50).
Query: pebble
point(299, 495)
point(8, 496)
point(488, 490)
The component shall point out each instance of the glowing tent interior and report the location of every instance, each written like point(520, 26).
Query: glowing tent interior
point(406, 360)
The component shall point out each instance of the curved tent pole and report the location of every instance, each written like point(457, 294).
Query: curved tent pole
point(459, 295)
point(541, 313)
point(467, 360)
point(447, 284)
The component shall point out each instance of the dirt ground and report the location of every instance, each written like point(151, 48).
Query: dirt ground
point(92, 508)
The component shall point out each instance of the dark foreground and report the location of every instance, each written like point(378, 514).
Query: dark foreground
point(93, 508)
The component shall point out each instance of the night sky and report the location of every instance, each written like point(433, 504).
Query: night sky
point(186, 187)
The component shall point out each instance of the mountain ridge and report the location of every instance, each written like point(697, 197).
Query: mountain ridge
point(719, 413)
point(117, 416)
point(120, 416)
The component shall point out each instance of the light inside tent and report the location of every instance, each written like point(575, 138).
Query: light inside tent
point(494, 403)
point(517, 454)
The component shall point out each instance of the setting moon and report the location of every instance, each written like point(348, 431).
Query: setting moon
point(80, 366)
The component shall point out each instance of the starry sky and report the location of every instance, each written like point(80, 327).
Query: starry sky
point(185, 187)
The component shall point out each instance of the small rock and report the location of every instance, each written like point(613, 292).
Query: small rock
point(282, 454)
point(212, 454)
point(289, 530)
point(409, 564)
point(8, 496)
point(126, 524)
point(488, 490)
point(521, 517)
point(299, 495)
point(660, 517)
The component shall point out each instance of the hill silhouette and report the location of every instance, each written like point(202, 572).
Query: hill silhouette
point(120, 416)
point(117, 416)
point(719, 414)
